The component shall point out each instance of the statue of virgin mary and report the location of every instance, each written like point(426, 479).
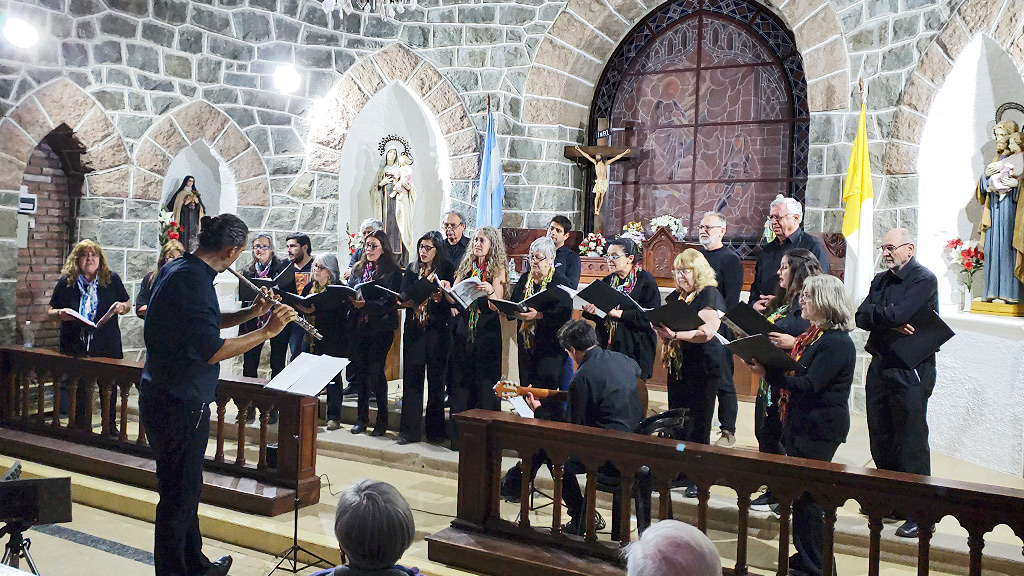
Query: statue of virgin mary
point(394, 196)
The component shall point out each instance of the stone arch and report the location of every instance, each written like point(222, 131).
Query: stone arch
point(573, 53)
point(973, 17)
point(62, 102)
point(395, 63)
point(191, 124)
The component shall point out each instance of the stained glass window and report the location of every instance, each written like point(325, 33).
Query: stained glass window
point(711, 98)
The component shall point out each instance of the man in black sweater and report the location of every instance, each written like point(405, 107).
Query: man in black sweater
point(729, 273)
point(567, 261)
point(786, 216)
point(453, 225)
point(897, 394)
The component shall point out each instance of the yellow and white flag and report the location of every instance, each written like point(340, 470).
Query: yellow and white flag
point(858, 218)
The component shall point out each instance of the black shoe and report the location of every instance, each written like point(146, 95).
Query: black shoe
point(378, 431)
point(908, 530)
point(402, 440)
point(691, 491)
point(112, 432)
point(358, 429)
point(219, 567)
point(578, 528)
point(763, 503)
point(890, 517)
point(349, 391)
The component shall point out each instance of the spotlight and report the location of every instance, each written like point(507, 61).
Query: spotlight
point(286, 79)
point(20, 33)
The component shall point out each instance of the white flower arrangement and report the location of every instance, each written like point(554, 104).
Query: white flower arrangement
point(593, 244)
point(165, 218)
point(674, 225)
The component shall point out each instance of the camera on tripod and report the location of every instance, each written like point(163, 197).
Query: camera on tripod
point(30, 502)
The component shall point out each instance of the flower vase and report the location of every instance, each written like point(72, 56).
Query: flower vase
point(593, 254)
point(965, 299)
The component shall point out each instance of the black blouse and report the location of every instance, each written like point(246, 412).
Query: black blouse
point(106, 341)
point(634, 336)
point(379, 314)
point(545, 341)
point(707, 356)
point(439, 314)
point(792, 322)
point(145, 292)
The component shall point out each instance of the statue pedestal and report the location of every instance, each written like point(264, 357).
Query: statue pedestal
point(998, 309)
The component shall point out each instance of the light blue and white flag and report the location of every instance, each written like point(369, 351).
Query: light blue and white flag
point(492, 185)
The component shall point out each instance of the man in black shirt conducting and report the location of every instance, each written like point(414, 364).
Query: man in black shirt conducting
point(183, 352)
point(786, 216)
point(603, 394)
point(897, 394)
point(729, 273)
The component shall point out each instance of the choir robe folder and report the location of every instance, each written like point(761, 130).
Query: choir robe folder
point(677, 316)
point(760, 348)
point(742, 319)
point(930, 332)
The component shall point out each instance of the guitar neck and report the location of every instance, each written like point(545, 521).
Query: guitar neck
point(543, 393)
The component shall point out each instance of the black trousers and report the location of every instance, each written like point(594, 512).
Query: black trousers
point(476, 369)
point(537, 367)
point(768, 423)
point(728, 406)
point(278, 355)
point(897, 412)
point(694, 389)
point(369, 357)
point(178, 434)
point(426, 355)
point(808, 517)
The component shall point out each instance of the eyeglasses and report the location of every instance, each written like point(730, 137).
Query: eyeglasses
point(805, 297)
point(374, 246)
point(681, 272)
point(703, 228)
point(537, 257)
point(890, 248)
point(450, 226)
point(260, 248)
point(317, 266)
point(614, 257)
point(426, 248)
point(479, 240)
point(778, 217)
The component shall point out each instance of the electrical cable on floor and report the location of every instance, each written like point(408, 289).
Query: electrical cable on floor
point(330, 491)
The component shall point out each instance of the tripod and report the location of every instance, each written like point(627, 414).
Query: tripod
point(291, 555)
point(17, 547)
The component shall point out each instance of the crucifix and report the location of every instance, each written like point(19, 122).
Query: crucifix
point(600, 157)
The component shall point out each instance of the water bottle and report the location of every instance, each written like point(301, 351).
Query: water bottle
point(513, 276)
point(27, 334)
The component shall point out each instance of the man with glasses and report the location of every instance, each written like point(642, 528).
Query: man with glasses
point(897, 394)
point(369, 226)
point(454, 225)
point(786, 216)
point(567, 261)
point(729, 273)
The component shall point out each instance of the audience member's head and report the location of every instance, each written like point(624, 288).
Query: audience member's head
point(374, 525)
point(672, 547)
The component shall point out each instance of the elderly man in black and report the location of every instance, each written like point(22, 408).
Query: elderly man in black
point(453, 224)
point(897, 394)
point(602, 394)
point(183, 352)
point(786, 216)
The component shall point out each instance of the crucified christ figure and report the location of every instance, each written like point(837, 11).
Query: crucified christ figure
point(601, 175)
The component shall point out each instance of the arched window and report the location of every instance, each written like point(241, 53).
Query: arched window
point(711, 97)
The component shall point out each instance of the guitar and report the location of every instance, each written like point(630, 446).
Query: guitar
point(507, 389)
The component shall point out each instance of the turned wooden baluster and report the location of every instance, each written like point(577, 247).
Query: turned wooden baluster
point(625, 508)
point(222, 404)
point(924, 542)
point(240, 422)
point(106, 396)
point(664, 501)
point(743, 503)
point(703, 495)
point(26, 383)
point(874, 544)
point(557, 472)
point(41, 398)
point(126, 387)
point(524, 491)
point(975, 541)
point(785, 508)
point(828, 541)
point(55, 419)
point(264, 426)
point(591, 510)
point(141, 438)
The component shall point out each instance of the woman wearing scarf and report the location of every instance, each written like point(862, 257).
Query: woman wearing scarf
point(171, 250)
point(89, 288)
point(541, 358)
point(815, 409)
point(628, 331)
point(332, 323)
point(265, 265)
point(784, 311)
point(427, 339)
point(477, 349)
point(375, 322)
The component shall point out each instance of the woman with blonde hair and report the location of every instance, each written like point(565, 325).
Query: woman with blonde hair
point(169, 251)
point(814, 407)
point(695, 359)
point(477, 347)
point(89, 289)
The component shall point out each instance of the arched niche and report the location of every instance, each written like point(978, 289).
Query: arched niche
point(214, 180)
point(956, 144)
point(394, 110)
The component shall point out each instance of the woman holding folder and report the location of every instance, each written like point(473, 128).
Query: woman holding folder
point(628, 331)
point(376, 318)
point(541, 358)
point(427, 340)
point(477, 348)
point(695, 359)
point(814, 407)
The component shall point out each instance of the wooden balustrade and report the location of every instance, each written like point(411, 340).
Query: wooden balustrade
point(480, 539)
point(31, 413)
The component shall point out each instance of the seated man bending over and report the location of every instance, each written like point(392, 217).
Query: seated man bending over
point(602, 394)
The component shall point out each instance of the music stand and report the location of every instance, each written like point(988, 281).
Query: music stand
point(306, 375)
point(27, 503)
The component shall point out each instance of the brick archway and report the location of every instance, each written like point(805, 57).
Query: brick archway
point(395, 63)
point(572, 55)
point(191, 123)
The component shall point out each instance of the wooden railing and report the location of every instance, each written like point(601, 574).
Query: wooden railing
point(485, 435)
point(30, 401)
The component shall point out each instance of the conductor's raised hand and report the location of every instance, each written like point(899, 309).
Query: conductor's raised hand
point(279, 318)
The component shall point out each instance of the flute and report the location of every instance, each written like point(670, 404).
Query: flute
point(302, 322)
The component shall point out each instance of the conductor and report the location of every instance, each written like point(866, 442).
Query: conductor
point(183, 351)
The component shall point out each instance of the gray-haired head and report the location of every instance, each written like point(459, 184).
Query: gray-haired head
point(792, 206)
point(718, 216)
point(374, 525)
point(545, 246)
point(370, 225)
point(456, 213)
point(329, 262)
point(672, 547)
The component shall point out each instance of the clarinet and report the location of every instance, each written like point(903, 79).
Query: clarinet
point(302, 322)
